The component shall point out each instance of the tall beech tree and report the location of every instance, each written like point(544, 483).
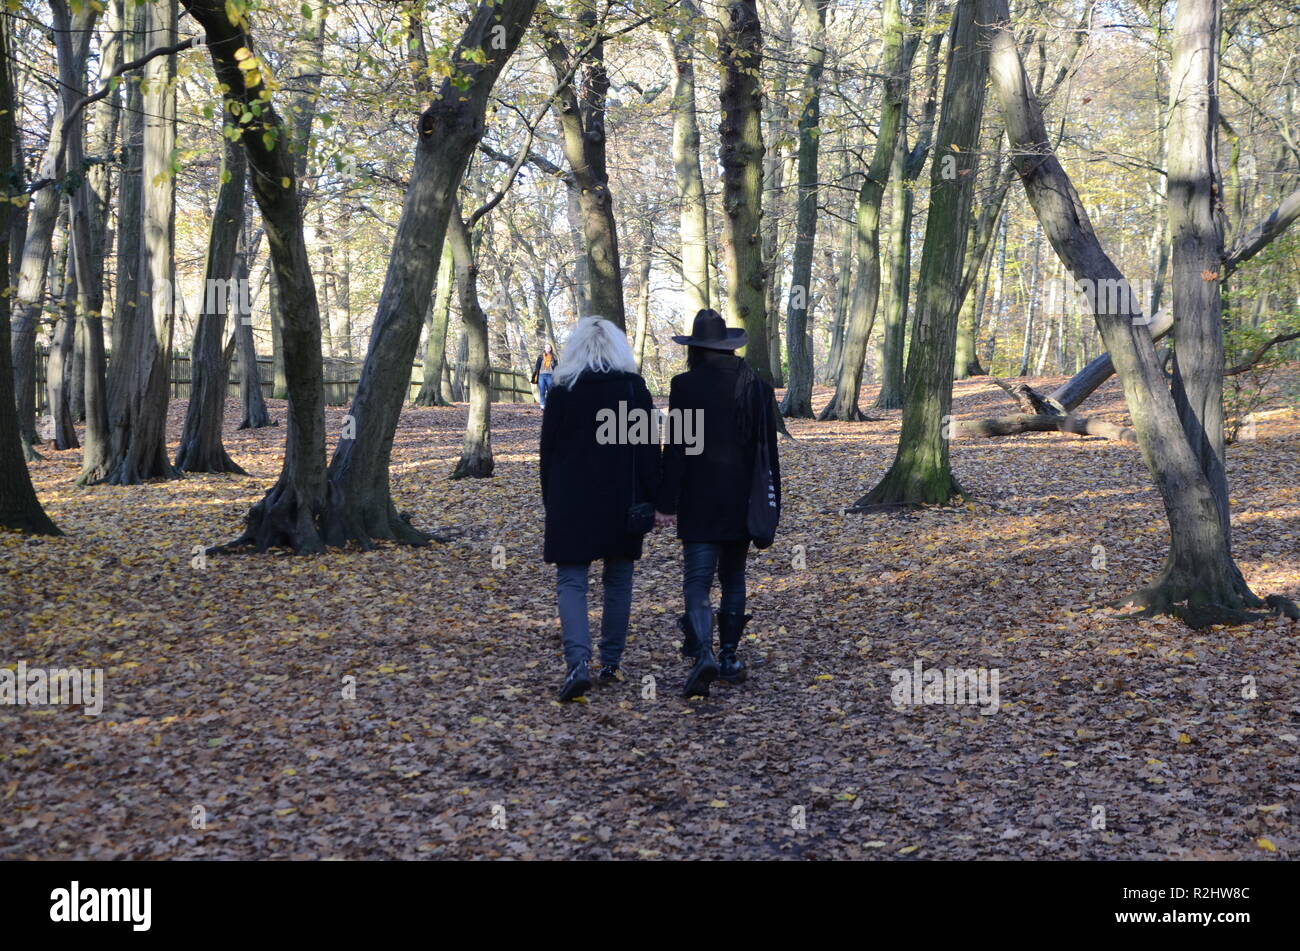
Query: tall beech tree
point(580, 108)
point(895, 63)
point(20, 509)
point(903, 175)
point(290, 515)
point(201, 448)
point(798, 394)
point(679, 39)
point(476, 454)
point(921, 473)
point(740, 53)
point(1179, 433)
point(449, 131)
point(138, 376)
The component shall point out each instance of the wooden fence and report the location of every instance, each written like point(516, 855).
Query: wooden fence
point(341, 377)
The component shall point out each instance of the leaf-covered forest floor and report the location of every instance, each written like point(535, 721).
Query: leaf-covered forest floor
point(224, 683)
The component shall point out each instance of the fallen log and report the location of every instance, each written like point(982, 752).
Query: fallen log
point(1046, 423)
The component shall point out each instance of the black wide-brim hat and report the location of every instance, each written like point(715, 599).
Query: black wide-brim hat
point(710, 331)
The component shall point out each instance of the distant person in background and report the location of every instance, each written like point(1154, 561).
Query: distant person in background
point(590, 486)
point(544, 373)
point(709, 493)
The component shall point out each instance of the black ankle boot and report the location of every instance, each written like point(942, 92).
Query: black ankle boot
point(576, 683)
point(705, 670)
point(731, 624)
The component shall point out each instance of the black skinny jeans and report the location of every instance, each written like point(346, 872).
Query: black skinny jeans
point(701, 561)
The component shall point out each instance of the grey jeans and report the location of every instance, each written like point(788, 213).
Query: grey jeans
point(571, 597)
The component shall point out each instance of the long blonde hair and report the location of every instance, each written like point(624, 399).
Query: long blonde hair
point(595, 344)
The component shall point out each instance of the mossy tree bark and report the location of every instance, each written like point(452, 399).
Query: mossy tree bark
point(138, 387)
point(435, 340)
point(686, 163)
point(580, 108)
point(921, 473)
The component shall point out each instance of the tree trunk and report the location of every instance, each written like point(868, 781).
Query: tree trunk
point(896, 58)
point(894, 344)
point(252, 403)
point(20, 509)
point(798, 394)
point(686, 166)
point(290, 513)
point(201, 448)
point(740, 52)
point(59, 362)
point(921, 473)
point(1199, 582)
point(581, 114)
point(30, 294)
point(476, 456)
point(138, 387)
point(449, 131)
point(435, 341)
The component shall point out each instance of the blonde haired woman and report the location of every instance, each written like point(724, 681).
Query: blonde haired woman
point(591, 486)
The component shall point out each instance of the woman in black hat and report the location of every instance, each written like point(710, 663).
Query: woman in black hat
point(709, 492)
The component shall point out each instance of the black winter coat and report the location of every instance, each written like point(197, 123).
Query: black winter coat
point(709, 492)
point(587, 486)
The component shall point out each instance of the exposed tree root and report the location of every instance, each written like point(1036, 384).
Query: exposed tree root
point(281, 519)
point(898, 491)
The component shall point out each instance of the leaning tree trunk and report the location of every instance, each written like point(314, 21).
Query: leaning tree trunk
point(138, 387)
point(740, 52)
point(686, 166)
point(435, 341)
point(290, 514)
point(896, 60)
point(253, 413)
point(201, 448)
point(921, 473)
point(20, 509)
point(1200, 582)
point(449, 131)
point(476, 455)
point(798, 394)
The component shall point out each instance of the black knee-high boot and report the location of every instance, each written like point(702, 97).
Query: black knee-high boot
point(705, 670)
point(731, 624)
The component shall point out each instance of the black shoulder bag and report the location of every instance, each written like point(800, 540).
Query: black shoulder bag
point(764, 508)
